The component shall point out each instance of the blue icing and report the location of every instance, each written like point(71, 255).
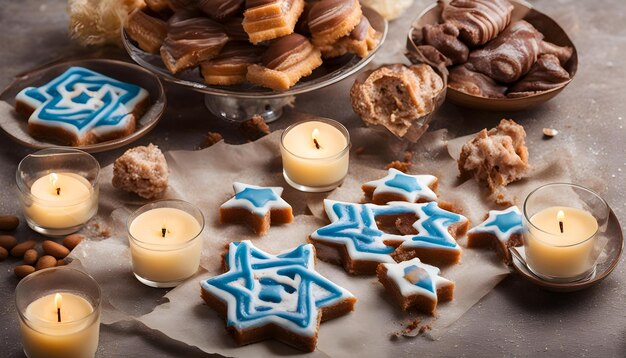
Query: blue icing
point(404, 182)
point(258, 197)
point(435, 227)
point(57, 106)
point(506, 221)
point(239, 282)
point(425, 281)
point(357, 223)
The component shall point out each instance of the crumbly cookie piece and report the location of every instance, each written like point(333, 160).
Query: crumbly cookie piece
point(330, 20)
point(257, 206)
point(254, 128)
point(398, 186)
point(360, 41)
point(360, 236)
point(210, 139)
point(141, 170)
point(270, 19)
point(415, 285)
point(266, 296)
point(285, 62)
point(497, 156)
point(501, 230)
point(395, 96)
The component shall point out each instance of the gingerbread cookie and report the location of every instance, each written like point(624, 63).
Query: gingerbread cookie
point(257, 206)
point(501, 229)
point(285, 62)
point(82, 107)
point(265, 296)
point(269, 19)
point(415, 285)
point(355, 238)
point(398, 186)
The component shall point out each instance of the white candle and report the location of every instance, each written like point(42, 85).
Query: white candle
point(165, 245)
point(61, 200)
point(74, 335)
point(561, 254)
point(315, 155)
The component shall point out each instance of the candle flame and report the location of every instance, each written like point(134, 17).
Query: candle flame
point(560, 216)
point(58, 300)
point(314, 135)
point(54, 178)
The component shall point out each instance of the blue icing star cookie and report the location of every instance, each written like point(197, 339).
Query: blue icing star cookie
point(502, 229)
point(414, 284)
point(259, 206)
point(354, 238)
point(81, 107)
point(261, 290)
point(398, 186)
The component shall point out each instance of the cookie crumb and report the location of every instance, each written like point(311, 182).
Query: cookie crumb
point(550, 132)
point(424, 328)
point(359, 150)
point(210, 139)
point(411, 326)
point(254, 128)
point(401, 166)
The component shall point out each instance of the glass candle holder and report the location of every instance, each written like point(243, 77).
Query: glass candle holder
point(58, 190)
point(165, 242)
point(315, 154)
point(59, 313)
point(562, 224)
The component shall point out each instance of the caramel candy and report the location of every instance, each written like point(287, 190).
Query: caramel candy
point(148, 31)
point(270, 19)
point(285, 62)
point(231, 65)
point(330, 20)
point(510, 55)
point(234, 29)
point(191, 41)
point(360, 41)
point(478, 21)
point(220, 9)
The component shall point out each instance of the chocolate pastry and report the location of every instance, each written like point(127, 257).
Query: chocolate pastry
point(180, 4)
point(330, 20)
point(444, 38)
point(510, 55)
point(269, 19)
point(545, 74)
point(220, 9)
point(148, 31)
point(360, 41)
point(478, 21)
point(286, 61)
point(474, 83)
point(231, 65)
point(564, 53)
point(234, 29)
point(190, 41)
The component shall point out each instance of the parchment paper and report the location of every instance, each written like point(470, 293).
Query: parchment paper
point(205, 179)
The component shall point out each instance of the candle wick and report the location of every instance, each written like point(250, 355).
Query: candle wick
point(561, 226)
point(58, 191)
point(163, 231)
point(59, 314)
point(317, 145)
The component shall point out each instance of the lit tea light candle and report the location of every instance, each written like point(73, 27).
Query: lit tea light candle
point(560, 241)
point(60, 324)
point(65, 197)
point(315, 155)
point(165, 242)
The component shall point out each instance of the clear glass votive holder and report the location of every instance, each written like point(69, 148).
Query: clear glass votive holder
point(307, 167)
point(562, 225)
point(58, 190)
point(165, 242)
point(59, 313)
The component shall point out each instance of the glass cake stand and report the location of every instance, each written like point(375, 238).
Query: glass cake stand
point(240, 102)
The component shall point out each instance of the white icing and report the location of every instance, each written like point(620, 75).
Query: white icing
point(489, 226)
point(275, 203)
point(396, 274)
point(423, 181)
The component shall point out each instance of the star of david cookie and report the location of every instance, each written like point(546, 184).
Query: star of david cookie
point(82, 107)
point(414, 285)
point(501, 229)
point(264, 296)
point(257, 206)
point(356, 240)
point(398, 186)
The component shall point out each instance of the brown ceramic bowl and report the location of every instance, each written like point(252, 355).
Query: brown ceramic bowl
point(522, 10)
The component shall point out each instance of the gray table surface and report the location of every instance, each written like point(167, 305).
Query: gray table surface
point(516, 318)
